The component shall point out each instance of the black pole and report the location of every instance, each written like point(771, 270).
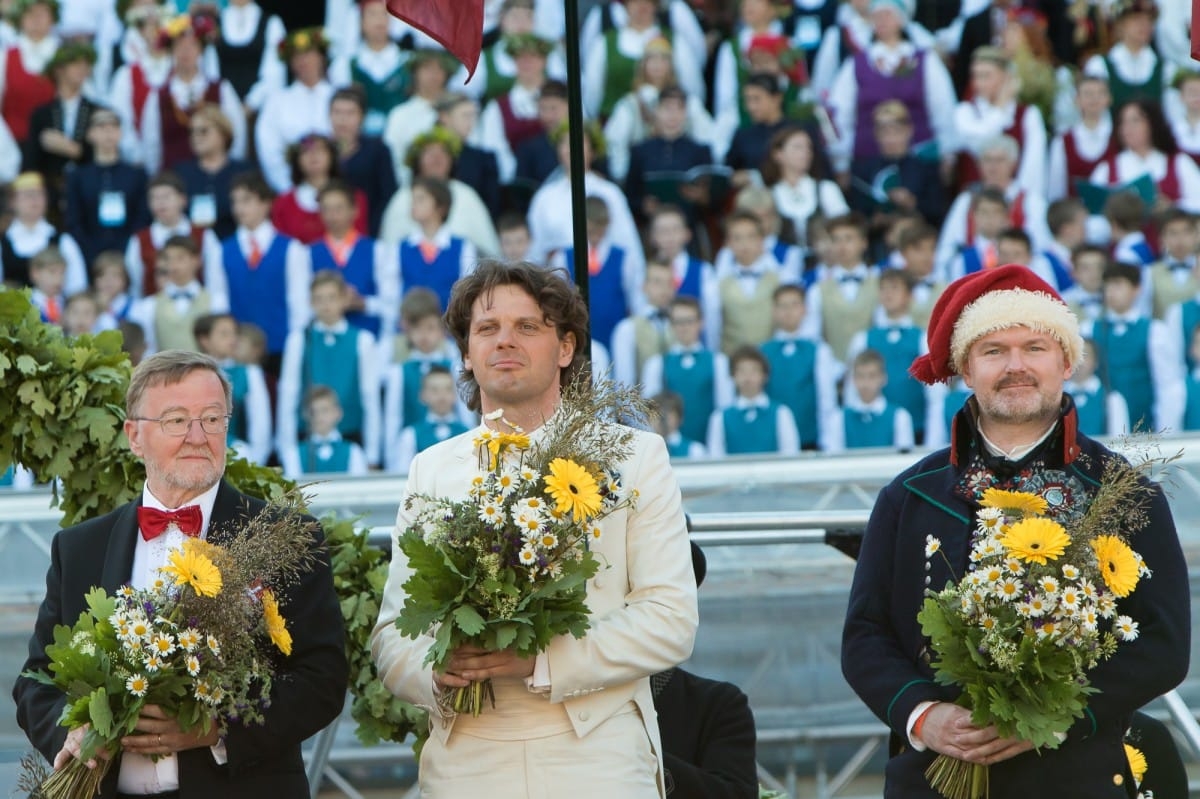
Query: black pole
point(575, 140)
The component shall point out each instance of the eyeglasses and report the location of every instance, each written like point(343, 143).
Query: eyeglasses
point(177, 425)
point(199, 131)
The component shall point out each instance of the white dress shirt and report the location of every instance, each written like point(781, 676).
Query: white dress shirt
point(801, 200)
point(405, 123)
point(210, 256)
point(1131, 68)
point(469, 219)
point(138, 773)
point(954, 229)
point(286, 116)
point(978, 120)
point(28, 241)
point(833, 432)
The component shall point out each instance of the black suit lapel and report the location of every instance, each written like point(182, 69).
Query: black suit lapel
point(118, 558)
point(230, 507)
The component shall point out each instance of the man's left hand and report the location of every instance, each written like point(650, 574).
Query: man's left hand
point(157, 734)
point(474, 664)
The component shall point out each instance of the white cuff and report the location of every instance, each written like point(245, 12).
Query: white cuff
point(539, 681)
point(913, 741)
point(220, 755)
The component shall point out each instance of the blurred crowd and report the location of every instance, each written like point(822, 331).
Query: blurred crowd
point(777, 192)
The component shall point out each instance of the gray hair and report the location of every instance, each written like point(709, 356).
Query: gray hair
point(167, 368)
point(1003, 144)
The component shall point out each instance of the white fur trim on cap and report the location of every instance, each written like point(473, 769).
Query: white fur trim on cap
point(1007, 308)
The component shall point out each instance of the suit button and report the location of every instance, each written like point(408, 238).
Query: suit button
point(584, 715)
point(1118, 779)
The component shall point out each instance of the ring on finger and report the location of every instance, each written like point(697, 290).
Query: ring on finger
point(160, 743)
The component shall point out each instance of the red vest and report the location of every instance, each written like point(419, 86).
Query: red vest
point(150, 255)
point(1168, 187)
point(1079, 167)
point(516, 129)
point(141, 92)
point(173, 124)
point(23, 92)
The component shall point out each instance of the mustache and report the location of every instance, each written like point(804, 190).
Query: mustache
point(1017, 380)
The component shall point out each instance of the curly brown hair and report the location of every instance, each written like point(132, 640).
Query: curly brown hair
point(558, 298)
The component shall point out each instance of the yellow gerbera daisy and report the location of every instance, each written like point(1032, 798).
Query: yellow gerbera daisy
point(191, 567)
point(1118, 564)
point(573, 488)
point(276, 626)
point(1036, 540)
point(1137, 762)
point(1019, 502)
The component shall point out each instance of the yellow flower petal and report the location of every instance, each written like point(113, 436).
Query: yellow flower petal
point(1019, 502)
point(1118, 564)
point(191, 567)
point(573, 489)
point(276, 625)
point(1035, 540)
point(1137, 762)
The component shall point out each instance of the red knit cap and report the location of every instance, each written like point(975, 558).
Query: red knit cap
point(984, 302)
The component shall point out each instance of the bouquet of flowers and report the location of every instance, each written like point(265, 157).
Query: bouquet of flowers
point(192, 643)
point(1036, 610)
point(507, 567)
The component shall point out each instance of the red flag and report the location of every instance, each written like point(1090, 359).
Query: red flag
point(455, 24)
point(1196, 29)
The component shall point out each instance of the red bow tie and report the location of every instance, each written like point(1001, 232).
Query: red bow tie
point(153, 521)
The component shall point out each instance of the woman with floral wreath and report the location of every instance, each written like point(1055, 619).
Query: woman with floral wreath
point(300, 108)
point(166, 118)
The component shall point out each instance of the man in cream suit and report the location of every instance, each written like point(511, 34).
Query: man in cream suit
point(578, 720)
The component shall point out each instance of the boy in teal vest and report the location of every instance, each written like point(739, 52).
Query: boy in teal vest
point(324, 451)
point(754, 423)
point(640, 336)
point(802, 372)
point(330, 352)
point(690, 370)
point(250, 428)
point(867, 418)
point(1191, 416)
point(1134, 356)
point(441, 421)
point(421, 346)
point(894, 336)
point(1100, 412)
point(669, 409)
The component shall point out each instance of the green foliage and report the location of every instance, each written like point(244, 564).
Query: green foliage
point(63, 398)
point(1038, 697)
point(359, 575)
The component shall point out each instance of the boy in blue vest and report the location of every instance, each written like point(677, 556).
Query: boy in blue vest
point(48, 274)
point(989, 216)
point(330, 352)
point(1100, 412)
point(614, 279)
point(1067, 222)
point(250, 428)
point(432, 256)
point(1014, 246)
point(690, 370)
point(267, 273)
point(670, 238)
point(439, 396)
point(894, 336)
point(802, 372)
point(867, 419)
point(371, 273)
point(1134, 356)
point(754, 423)
point(324, 451)
point(421, 346)
point(667, 407)
point(1126, 215)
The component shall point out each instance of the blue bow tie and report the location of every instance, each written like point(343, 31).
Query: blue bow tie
point(181, 295)
point(1180, 266)
point(850, 278)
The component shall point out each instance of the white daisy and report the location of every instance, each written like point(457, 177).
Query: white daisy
point(1126, 628)
point(932, 546)
point(527, 556)
point(137, 684)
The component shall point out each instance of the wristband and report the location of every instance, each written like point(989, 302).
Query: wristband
point(920, 722)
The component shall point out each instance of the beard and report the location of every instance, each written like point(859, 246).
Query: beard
point(1023, 407)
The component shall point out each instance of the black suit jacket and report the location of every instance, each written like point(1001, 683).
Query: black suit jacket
point(707, 739)
point(54, 167)
point(309, 686)
point(369, 169)
point(919, 177)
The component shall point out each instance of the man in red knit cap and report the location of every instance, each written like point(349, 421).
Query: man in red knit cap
point(1015, 343)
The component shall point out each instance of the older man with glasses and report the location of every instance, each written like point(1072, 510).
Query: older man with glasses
point(177, 417)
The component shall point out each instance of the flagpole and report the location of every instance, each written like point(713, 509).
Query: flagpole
point(575, 140)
